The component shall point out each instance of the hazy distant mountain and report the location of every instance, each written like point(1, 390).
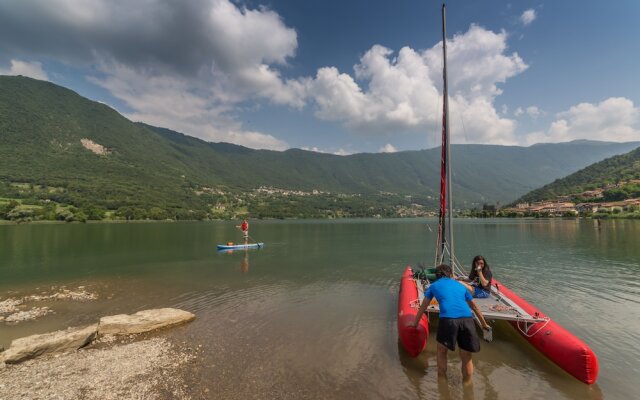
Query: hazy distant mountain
point(53, 137)
point(482, 173)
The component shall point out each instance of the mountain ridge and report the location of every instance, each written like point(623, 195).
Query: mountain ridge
point(42, 126)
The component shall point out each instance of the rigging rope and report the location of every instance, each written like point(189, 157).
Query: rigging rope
point(525, 331)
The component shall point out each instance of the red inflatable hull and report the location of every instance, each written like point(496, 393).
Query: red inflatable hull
point(556, 343)
point(413, 339)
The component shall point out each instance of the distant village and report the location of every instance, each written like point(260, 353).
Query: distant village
point(564, 206)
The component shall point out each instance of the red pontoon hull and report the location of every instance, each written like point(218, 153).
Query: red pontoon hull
point(413, 339)
point(555, 342)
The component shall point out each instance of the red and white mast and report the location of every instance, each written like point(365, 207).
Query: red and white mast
point(445, 236)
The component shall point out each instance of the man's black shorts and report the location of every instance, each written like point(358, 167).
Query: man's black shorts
point(458, 330)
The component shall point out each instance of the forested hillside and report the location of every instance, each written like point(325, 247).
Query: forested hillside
point(63, 156)
point(617, 176)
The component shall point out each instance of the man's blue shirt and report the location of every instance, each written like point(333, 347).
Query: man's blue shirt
point(452, 297)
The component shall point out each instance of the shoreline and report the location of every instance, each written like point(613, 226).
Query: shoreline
point(121, 356)
point(107, 369)
point(143, 221)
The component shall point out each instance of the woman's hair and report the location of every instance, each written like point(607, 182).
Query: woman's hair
point(473, 272)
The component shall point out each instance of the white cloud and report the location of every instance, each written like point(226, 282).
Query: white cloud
point(30, 69)
point(528, 17)
point(402, 94)
point(187, 65)
point(256, 140)
point(614, 119)
point(247, 42)
point(477, 121)
point(339, 152)
point(533, 111)
point(342, 152)
point(236, 55)
point(180, 104)
point(388, 148)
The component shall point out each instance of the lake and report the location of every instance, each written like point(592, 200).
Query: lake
point(313, 314)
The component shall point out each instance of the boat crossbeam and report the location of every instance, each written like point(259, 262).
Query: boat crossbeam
point(495, 307)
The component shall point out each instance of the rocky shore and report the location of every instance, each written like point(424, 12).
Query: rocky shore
point(106, 360)
point(129, 369)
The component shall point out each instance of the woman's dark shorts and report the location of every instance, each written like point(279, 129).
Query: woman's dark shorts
point(458, 330)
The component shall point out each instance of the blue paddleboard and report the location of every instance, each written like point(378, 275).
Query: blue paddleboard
point(240, 246)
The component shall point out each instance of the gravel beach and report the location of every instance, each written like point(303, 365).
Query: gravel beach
point(108, 369)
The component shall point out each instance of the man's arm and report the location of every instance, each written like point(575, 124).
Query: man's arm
point(478, 313)
point(423, 306)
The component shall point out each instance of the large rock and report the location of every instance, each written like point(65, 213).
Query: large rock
point(143, 321)
point(55, 342)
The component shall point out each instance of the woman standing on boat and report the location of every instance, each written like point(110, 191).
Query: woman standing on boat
point(480, 278)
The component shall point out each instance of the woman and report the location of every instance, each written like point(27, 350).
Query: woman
point(480, 278)
point(244, 227)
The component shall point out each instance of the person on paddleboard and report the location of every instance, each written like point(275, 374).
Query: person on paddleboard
point(244, 227)
point(456, 324)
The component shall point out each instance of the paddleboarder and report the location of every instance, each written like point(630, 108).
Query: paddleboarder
point(244, 227)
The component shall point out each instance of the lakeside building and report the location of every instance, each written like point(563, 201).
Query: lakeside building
point(563, 208)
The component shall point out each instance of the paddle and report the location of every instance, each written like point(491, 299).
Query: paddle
point(487, 334)
point(255, 241)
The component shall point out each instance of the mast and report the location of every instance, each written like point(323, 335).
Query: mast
point(445, 172)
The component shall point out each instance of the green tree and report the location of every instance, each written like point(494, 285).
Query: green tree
point(94, 213)
point(7, 208)
point(614, 195)
point(157, 213)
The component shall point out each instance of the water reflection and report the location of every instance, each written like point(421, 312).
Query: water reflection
point(445, 392)
point(416, 369)
point(244, 262)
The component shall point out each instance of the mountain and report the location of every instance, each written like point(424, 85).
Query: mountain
point(482, 173)
point(616, 173)
point(56, 145)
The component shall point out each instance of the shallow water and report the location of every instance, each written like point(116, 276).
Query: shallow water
point(313, 314)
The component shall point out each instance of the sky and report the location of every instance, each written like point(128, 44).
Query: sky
point(341, 77)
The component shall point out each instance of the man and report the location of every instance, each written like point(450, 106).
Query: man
point(245, 230)
point(456, 321)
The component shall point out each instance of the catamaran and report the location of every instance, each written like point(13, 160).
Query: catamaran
point(547, 336)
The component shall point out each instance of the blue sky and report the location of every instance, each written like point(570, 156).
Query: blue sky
point(341, 76)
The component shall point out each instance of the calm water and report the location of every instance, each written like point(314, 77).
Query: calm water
point(313, 314)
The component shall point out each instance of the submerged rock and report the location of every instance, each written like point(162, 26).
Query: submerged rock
point(143, 321)
point(54, 342)
point(10, 305)
point(34, 313)
point(74, 338)
point(13, 306)
point(64, 294)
